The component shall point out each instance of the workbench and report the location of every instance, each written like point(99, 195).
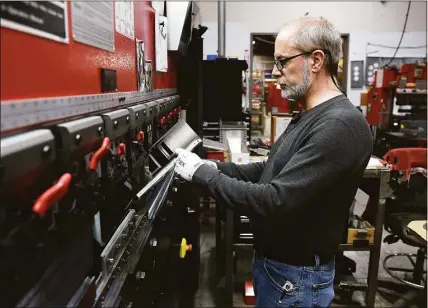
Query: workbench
point(375, 171)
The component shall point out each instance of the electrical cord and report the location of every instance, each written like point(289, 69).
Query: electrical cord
point(264, 41)
point(402, 34)
point(394, 47)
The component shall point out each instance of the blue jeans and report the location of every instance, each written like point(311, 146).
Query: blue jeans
point(280, 285)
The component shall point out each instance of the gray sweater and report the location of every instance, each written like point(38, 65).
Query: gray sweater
point(299, 199)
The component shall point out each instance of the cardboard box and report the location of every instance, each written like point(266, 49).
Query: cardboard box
point(238, 153)
point(363, 99)
point(361, 236)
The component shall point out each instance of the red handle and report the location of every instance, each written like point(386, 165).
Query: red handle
point(140, 136)
point(169, 116)
point(179, 108)
point(99, 154)
point(162, 121)
point(52, 195)
point(121, 149)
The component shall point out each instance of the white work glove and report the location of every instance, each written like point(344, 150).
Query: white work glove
point(187, 163)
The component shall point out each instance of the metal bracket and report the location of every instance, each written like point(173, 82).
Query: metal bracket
point(16, 114)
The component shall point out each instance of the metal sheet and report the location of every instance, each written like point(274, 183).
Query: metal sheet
point(115, 248)
point(164, 171)
point(93, 24)
point(140, 237)
point(180, 136)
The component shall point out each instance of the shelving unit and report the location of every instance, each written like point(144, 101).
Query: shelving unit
point(259, 77)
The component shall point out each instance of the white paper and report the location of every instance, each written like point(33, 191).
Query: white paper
point(374, 162)
point(159, 7)
point(280, 126)
point(161, 35)
point(124, 12)
point(235, 144)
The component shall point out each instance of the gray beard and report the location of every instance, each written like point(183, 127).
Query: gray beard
point(298, 92)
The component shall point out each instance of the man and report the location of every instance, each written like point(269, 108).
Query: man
point(299, 199)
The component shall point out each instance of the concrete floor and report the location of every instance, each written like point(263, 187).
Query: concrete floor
point(209, 290)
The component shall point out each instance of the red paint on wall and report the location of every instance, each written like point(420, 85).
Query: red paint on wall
point(34, 67)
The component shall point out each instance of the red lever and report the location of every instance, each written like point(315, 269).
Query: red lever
point(174, 112)
point(169, 116)
point(99, 154)
point(162, 121)
point(179, 108)
point(52, 195)
point(140, 136)
point(121, 149)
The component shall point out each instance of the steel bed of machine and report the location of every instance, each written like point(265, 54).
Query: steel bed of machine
point(92, 214)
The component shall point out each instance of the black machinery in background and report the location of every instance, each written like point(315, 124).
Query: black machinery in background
point(211, 89)
point(92, 214)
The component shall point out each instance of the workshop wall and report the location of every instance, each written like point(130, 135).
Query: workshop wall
point(34, 67)
point(365, 22)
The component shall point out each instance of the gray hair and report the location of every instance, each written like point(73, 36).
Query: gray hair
point(312, 33)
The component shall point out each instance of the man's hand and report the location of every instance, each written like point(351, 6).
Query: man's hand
point(187, 163)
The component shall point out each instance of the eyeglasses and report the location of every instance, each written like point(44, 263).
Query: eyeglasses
point(280, 63)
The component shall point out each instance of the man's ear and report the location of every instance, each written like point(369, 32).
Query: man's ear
point(318, 60)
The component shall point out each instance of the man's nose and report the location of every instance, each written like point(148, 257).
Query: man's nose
point(275, 72)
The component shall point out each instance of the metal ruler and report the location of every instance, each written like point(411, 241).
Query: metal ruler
point(16, 114)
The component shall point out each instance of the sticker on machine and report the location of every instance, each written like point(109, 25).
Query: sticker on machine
point(161, 42)
point(47, 19)
point(141, 83)
point(124, 12)
point(93, 24)
point(148, 76)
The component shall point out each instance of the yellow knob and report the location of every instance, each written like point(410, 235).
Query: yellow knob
point(184, 248)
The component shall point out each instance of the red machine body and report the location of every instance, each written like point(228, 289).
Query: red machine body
point(275, 99)
point(378, 97)
point(377, 106)
point(35, 67)
point(405, 159)
point(410, 74)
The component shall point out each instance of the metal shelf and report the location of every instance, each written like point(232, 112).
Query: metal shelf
point(409, 91)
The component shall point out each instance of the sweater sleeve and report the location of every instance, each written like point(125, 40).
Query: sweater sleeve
point(248, 173)
point(325, 156)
